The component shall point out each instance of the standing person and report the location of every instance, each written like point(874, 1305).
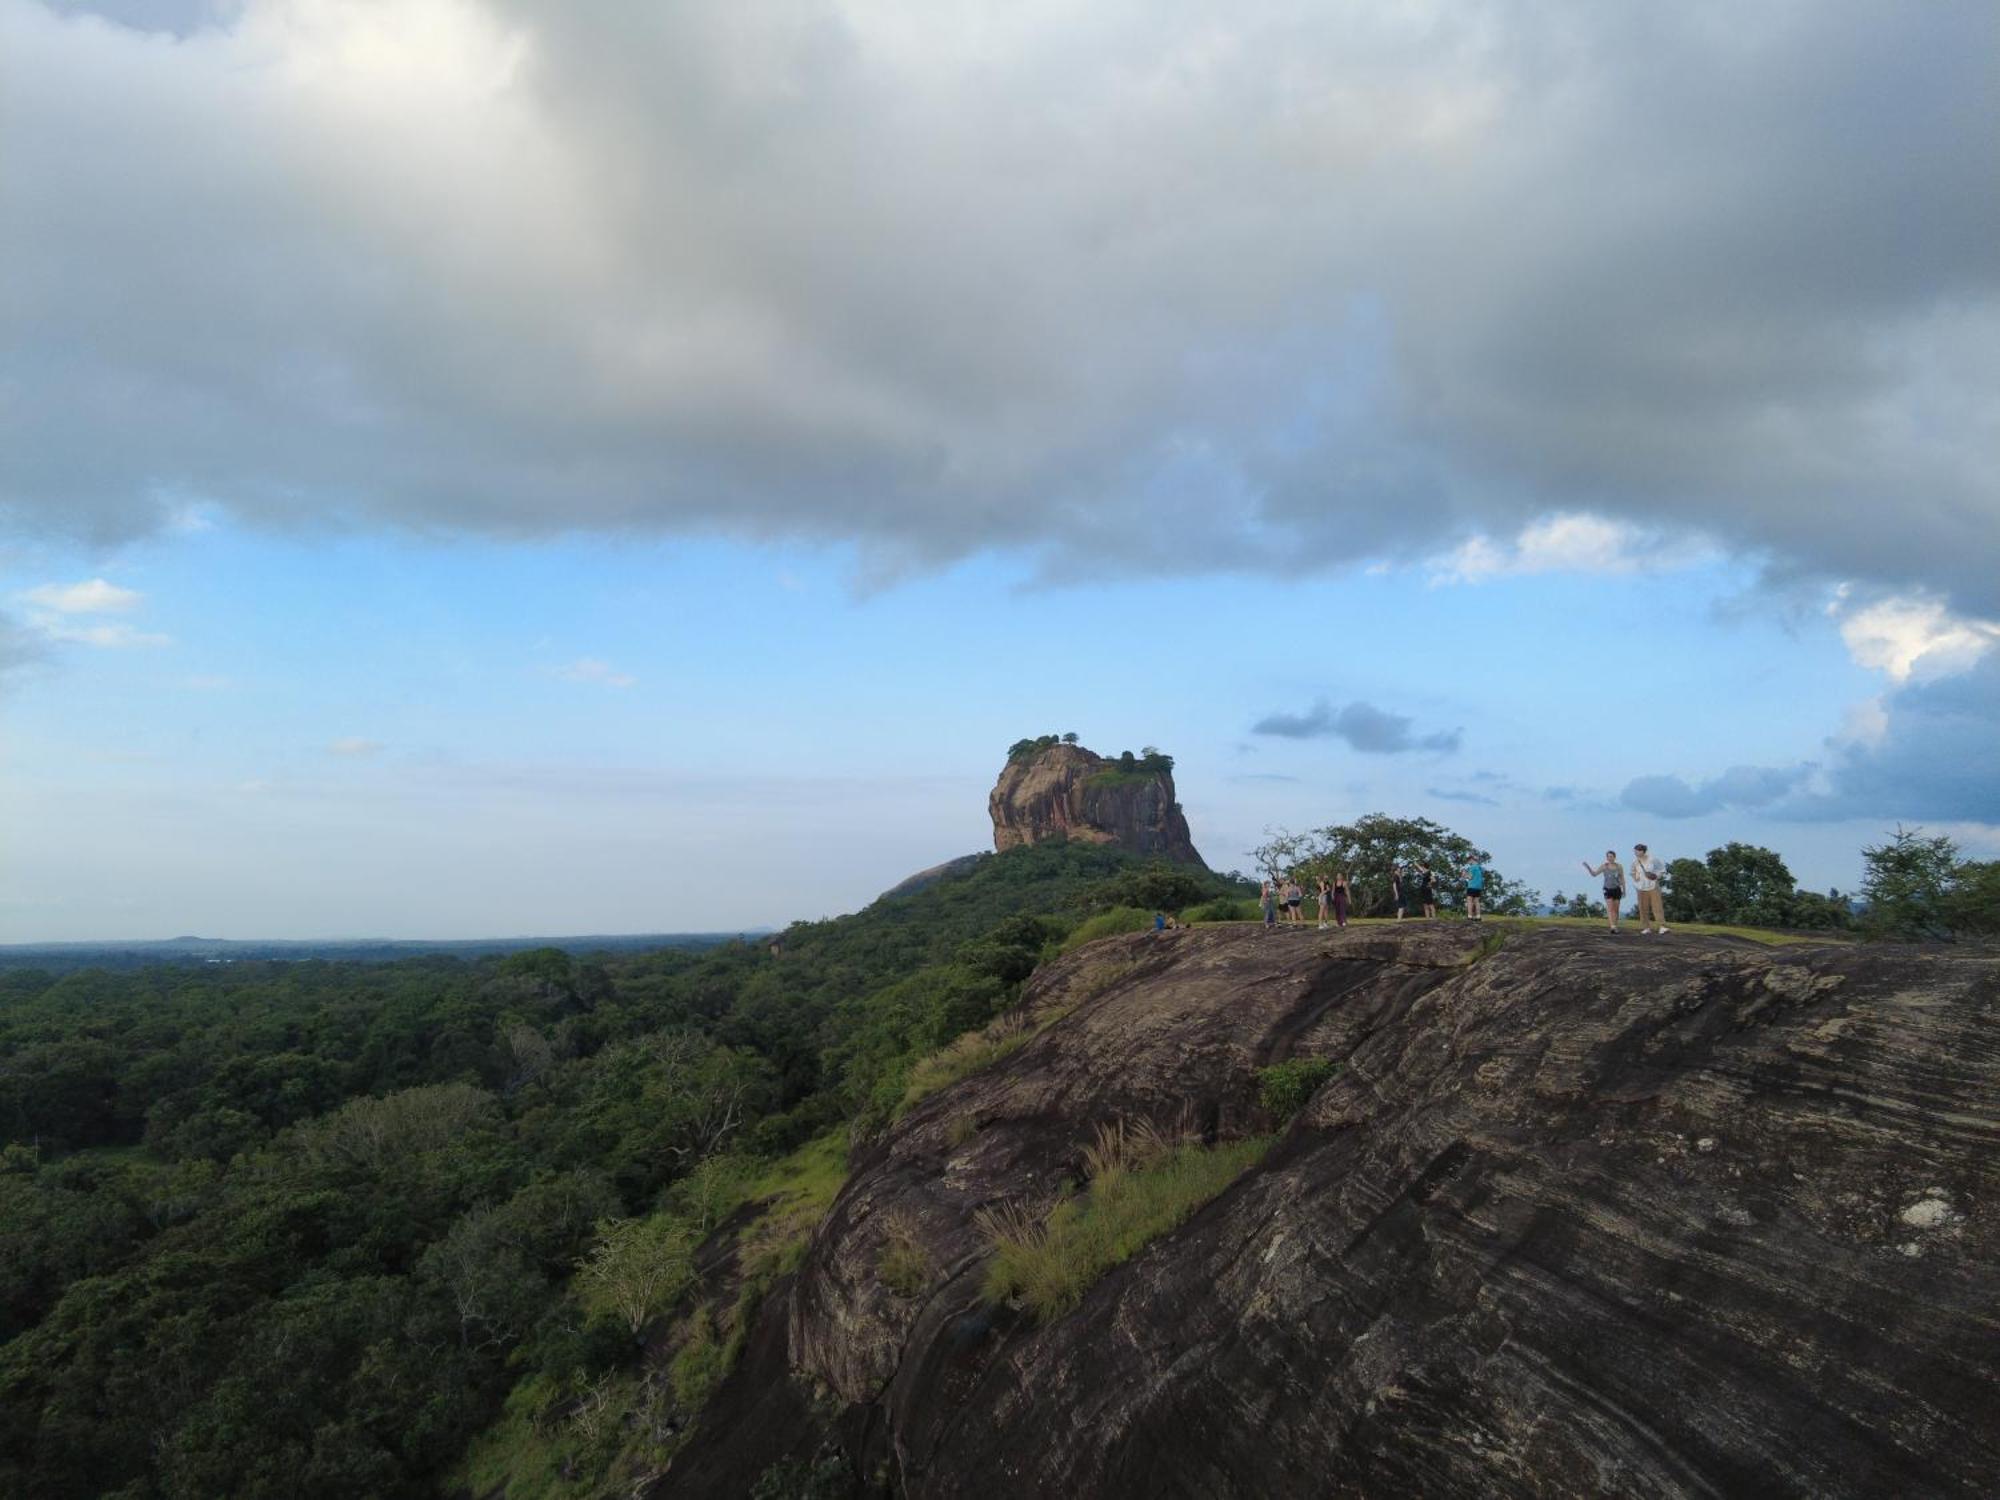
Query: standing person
point(1325, 893)
point(1396, 890)
point(1427, 892)
point(1647, 873)
point(1614, 884)
point(1295, 900)
point(1269, 898)
point(1475, 889)
point(1341, 897)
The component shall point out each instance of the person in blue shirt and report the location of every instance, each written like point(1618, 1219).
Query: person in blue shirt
point(1475, 888)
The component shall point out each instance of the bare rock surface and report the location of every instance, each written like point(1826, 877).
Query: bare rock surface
point(1068, 792)
point(1578, 1216)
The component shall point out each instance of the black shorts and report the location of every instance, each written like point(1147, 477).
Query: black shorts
point(1616, 893)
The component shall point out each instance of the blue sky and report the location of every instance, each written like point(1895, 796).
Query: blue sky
point(473, 467)
point(361, 734)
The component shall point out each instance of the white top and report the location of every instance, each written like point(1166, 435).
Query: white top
point(1646, 872)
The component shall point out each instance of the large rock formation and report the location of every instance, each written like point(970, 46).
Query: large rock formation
point(1066, 791)
point(1581, 1216)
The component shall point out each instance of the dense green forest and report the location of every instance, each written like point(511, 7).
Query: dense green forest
point(328, 1228)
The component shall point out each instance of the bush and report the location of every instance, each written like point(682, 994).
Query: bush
point(1143, 1185)
point(1285, 1087)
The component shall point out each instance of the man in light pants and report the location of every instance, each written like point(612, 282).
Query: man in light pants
point(1647, 873)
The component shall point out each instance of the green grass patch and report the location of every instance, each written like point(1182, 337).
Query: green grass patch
point(1143, 1185)
point(555, 1443)
point(703, 1360)
point(964, 1057)
point(1285, 1087)
point(1105, 924)
point(1630, 926)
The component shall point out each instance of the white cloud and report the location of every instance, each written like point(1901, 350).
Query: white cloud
point(590, 669)
point(1911, 637)
point(353, 745)
point(93, 597)
point(1569, 543)
point(116, 636)
point(1865, 723)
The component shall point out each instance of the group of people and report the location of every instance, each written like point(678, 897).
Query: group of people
point(1409, 885)
point(1416, 885)
point(1647, 875)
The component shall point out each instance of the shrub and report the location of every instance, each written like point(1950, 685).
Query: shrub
point(1144, 1185)
point(1285, 1087)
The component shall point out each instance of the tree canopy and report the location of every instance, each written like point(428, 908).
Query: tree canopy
point(1367, 849)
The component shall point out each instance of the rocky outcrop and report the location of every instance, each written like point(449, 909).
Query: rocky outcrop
point(1580, 1216)
point(1065, 791)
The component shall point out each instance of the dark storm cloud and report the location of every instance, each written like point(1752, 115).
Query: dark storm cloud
point(1127, 289)
point(1363, 725)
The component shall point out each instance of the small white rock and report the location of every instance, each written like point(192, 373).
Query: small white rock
point(1706, 1143)
point(1911, 1249)
point(1927, 1213)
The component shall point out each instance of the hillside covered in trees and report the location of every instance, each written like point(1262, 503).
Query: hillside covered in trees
point(319, 1229)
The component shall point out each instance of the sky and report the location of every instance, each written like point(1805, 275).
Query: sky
point(479, 468)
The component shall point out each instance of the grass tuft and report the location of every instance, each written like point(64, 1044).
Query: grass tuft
point(903, 1262)
point(1285, 1087)
point(1144, 1183)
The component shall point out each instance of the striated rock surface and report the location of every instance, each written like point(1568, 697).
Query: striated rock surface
point(1066, 791)
point(1581, 1216)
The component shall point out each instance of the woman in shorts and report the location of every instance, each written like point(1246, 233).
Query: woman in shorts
point(1614, 884)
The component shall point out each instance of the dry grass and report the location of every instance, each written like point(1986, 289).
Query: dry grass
point(1144, 1182)
point(903, 1262)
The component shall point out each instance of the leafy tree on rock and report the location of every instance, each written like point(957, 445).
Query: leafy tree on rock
point(1365, 849)
point(1908, 884)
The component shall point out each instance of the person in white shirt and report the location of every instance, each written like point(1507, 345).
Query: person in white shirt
point(1647, 873)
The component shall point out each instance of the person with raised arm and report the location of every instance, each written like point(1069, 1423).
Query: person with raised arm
point(1614, 884)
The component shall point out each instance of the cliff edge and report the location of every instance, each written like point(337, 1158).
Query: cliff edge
point(1066, 791)
point(1576, 1216)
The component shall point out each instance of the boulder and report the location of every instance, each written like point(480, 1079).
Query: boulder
point(1577, 1215)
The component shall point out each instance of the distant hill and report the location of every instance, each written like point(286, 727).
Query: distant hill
point(138, 953)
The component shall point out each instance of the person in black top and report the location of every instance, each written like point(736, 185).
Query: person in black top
point(1427, 889)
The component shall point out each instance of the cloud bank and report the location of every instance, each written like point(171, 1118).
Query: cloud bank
point(1128, 288)
point(1362, 725)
